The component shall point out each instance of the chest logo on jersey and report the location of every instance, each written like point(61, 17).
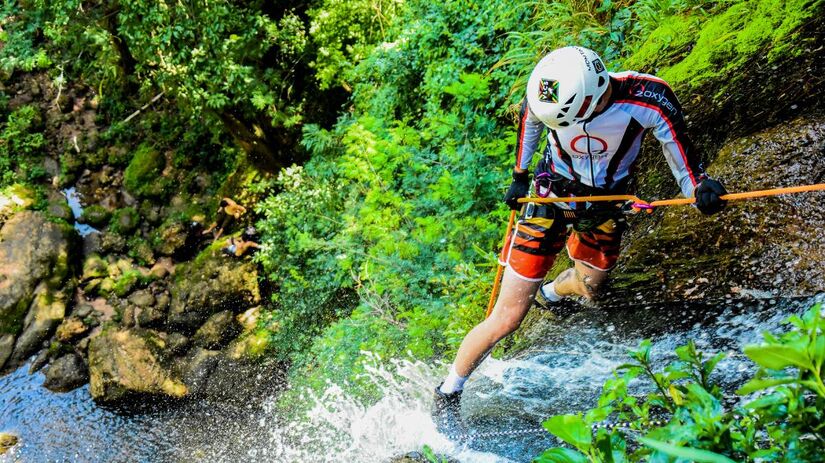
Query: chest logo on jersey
point(580, 144)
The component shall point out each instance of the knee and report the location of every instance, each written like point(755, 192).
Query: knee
point(505, 325)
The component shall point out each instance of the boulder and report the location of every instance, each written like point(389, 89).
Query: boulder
point(6, 347)
point(170, 238)
point(96, 216)
point(59, 208)
point(143, 298)
point(66, 373)
point(249, 319)
point(130, 362)
point(197, 367)
point(151, 317)
point(71, 329)
point(15, 198)
point(94, 267)
point(112, 243)
point(34, 255)
point(210, 284)
point(124, 221)
point(177, 343)
point(218, 330)
point(7, 441)
point(46, 312)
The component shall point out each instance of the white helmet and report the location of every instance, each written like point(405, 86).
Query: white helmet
point(565, 87)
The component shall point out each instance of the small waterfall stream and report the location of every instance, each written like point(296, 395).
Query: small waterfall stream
point(561, 374)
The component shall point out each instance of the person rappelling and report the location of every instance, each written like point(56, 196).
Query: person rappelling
point(596, 121)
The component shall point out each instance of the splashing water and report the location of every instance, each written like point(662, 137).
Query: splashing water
point(562, 372)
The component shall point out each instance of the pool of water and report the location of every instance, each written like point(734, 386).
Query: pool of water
point(74, 199)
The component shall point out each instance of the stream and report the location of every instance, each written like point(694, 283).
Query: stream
point(563, 374)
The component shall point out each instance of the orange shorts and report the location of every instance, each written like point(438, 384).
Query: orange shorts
point(534, 243)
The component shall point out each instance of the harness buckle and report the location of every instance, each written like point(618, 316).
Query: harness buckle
point(529, 210)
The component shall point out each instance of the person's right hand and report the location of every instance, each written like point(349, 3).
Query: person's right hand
point(518, 189)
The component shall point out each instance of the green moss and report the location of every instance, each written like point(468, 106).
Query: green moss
point(142, 175)
point(666, 44)
point(124, 220)
point(11, 322)
point(140, 250)
point(96, 215)
point(126, 282)
point(725, 43)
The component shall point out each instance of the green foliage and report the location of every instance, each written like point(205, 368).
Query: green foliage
point(399, 203)
point(344, 32)
point(19, 52)
point(783, 421)
point(21, 146)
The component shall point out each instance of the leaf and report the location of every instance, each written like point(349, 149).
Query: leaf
point(697, 455)
point(675, 395)
point(777, 357)
point(571, 429)
point(560, 455)
point(759, 384)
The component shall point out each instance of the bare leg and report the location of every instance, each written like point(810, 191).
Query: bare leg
point(580, 280)
point(512, 305)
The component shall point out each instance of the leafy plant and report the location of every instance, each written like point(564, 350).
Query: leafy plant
point(784, 423)
point(21, 146)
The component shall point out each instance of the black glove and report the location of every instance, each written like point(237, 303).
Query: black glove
point(518, 189)
point(708, 194)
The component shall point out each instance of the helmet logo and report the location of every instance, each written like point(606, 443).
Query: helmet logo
point(598, 66)
point(549, 90)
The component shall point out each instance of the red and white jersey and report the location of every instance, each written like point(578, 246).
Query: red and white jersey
point(601, 151)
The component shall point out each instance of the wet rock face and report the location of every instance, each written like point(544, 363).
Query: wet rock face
point(210, 284)
point(218, 330)
point(769, 244)
point(34, 265)
point(130, 362)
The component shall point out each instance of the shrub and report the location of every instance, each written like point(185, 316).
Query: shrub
point(783, 421)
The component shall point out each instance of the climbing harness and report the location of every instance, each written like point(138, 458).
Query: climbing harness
point(635, 204)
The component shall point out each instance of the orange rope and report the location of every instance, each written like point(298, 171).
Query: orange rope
point(497, 282)
point(678, 201)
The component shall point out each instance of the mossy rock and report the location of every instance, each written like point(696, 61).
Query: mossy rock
point(124, 221)
point(15, 198)
point(212, 283)
point(131, 363)
point(142, 176)
point(94, 267)
point(96, 216)
point(140, 250)
point(128, 281)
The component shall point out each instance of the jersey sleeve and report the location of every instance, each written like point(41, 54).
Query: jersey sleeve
point(667, 122)
point(530, 129)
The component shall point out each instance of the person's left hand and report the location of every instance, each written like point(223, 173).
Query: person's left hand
point(708, 199)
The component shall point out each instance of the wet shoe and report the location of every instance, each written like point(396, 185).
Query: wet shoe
point(446, 414)
point(563, 308)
